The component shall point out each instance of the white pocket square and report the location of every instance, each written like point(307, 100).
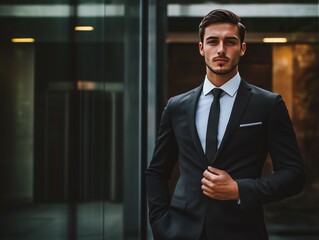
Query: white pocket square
point(250, 124)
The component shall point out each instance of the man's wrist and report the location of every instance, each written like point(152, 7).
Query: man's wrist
point(236, 192)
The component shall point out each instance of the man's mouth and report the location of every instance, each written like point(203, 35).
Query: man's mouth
point(221, 60)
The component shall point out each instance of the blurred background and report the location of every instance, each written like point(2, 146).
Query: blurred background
point(82, 87)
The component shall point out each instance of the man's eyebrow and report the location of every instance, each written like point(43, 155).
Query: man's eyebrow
point(228, 38)
point(211, 37)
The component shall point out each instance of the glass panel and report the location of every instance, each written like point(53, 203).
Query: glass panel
point(35, 173)
point(93, 121)
point(69, 96)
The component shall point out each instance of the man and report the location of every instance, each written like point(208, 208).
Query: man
point(220, 192)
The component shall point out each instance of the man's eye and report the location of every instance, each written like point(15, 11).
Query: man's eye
point(231, 43)
point(213, 42)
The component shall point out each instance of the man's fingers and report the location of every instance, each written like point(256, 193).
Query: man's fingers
point(207, 182)
point(215, 171)
point(207, 186)
point(213, 174)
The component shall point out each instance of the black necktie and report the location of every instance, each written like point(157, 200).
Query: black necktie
point(212, 125)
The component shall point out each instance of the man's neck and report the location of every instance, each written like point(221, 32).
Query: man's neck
point(220, 79)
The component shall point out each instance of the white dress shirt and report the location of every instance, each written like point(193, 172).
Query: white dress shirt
point(206, 98)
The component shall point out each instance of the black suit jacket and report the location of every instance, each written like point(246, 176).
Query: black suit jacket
point(259, 124)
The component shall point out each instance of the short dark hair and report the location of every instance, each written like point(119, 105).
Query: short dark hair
point(222, 16)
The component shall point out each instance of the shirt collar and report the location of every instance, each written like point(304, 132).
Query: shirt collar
point(230, 87)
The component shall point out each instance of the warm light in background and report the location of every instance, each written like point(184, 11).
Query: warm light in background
point(84, 28)
point(85, 85)
point(22, 40)
point(275, 40)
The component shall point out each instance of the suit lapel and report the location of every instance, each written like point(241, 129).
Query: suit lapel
point(243, 95)
point(192, 124)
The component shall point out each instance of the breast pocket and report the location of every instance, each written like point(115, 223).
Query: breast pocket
point(252, 134)
point(251, 124)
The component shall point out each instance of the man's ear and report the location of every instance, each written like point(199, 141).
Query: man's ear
point(200, 48)
point(243, 49)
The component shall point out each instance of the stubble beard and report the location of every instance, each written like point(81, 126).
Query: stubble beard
point(222, 71)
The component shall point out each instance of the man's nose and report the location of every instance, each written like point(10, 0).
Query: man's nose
point(221, 48)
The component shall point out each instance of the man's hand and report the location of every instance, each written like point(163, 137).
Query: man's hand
point(217, 184)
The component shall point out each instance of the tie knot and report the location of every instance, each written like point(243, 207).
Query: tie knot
point(217, 92)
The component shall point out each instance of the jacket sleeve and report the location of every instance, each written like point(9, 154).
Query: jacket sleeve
point(288, 171)
point(162, 164)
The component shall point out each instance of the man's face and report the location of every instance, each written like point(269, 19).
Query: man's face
point(222, 49)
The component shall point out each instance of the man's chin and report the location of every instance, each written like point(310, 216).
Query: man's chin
point(221, 71)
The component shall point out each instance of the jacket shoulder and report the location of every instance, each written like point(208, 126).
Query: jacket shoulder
point(260, 92)
point(186, 96)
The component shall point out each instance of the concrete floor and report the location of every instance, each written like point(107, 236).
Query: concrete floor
point(87, 222)
point(62, 222)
